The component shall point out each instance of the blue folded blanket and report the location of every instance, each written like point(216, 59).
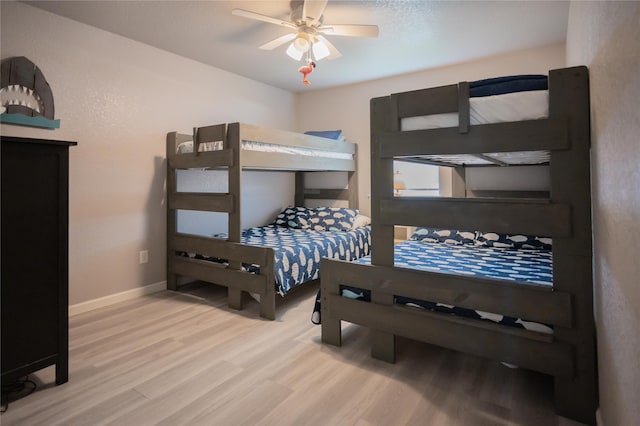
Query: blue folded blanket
point(508, 84)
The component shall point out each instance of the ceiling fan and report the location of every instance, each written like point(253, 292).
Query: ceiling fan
point(309, 30)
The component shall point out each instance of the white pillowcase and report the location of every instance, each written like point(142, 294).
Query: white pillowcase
point(361, 221)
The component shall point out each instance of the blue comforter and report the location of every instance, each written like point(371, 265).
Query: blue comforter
point(298, 251)
point(528, 266)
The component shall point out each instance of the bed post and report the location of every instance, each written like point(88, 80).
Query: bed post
point(232, 141)
point(268, 299)
point(299, 188)
point(331, 327)
point(352, 184)
point(572, 257)
point(382, 109)
point(172, 283)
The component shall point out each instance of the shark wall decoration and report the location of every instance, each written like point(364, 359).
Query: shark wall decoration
point(26, 96)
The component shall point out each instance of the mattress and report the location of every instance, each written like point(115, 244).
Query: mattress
point(298, 251)
point(523, 266)
point(503, 99)
point(186, 147)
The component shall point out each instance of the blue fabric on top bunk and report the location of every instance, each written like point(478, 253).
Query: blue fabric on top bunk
point(508, 84)
point(298, 251)
point(529, 266)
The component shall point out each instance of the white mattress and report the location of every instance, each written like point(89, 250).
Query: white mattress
point(186, 147)
point(518, 106)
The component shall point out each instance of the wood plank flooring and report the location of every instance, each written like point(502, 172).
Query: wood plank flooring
point(184, 358)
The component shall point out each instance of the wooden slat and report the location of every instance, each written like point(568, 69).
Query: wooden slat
point(209, 159)
point(529, 301)
point(531, 135)
point(436, 100)
point(530, 217)
point(215, 247)
point(462, 334)
point(292, 162)
point(201, 201)
point(215, 133)
point(327, 194)
point(205, 271)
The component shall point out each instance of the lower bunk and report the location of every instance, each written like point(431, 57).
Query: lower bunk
point(473, 296)
point(271, 259)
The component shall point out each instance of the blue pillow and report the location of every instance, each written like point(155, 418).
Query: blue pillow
point(516, 241)
point(332, 219)
point(294, 217)
point(449, 236)
point(330, 134)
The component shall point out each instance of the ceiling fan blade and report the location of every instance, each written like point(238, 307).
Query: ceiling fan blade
point(353, 30)
point(264, 18)
point(333, 52)
point(278, 42)
point(313, 9)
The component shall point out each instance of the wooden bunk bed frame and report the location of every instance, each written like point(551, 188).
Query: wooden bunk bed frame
point(234, 159)
point(569, 354)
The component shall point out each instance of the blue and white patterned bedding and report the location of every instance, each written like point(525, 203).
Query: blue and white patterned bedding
point(298, 251)
point(529, 266)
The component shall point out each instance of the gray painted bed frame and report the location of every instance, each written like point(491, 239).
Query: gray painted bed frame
point(569, 354)
point(234, 159)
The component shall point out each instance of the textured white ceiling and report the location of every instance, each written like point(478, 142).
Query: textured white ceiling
point(414, 34)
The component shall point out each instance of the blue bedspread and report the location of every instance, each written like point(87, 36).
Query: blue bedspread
point(298, 251)
point(532, 266)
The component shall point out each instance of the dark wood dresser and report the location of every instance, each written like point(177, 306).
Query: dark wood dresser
point(34, 290)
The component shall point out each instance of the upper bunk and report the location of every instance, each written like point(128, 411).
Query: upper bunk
point(258, 148)
point(563, 135)
point(501, 121)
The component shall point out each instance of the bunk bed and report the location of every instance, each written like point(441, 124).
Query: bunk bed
point(562, 302)
point(246, 260)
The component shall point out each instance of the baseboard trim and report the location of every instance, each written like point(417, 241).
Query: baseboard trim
point(101, 302)
point(599, 421)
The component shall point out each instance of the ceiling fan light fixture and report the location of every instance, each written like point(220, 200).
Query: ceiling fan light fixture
point(294, 53)
point(302, 42)
point(320, 50)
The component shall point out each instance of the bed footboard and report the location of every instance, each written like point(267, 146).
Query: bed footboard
point(526, 348)
point(235, 279)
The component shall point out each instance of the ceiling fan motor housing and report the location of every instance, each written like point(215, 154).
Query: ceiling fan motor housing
point(297, 7)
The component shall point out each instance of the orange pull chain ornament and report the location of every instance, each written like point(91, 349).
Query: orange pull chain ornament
point(306, 70)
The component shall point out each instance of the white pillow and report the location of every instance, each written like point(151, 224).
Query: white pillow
point(361, 221)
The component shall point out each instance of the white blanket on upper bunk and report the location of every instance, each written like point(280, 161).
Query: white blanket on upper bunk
point(186, 147)
point(518, 106)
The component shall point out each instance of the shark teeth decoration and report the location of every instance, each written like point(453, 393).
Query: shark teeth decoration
point(22, 96)
point(25, 95)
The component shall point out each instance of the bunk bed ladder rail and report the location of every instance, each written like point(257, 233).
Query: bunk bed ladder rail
point(575, 397)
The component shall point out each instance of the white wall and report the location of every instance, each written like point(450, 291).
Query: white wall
point(605, 36)
point(118, 99)
point(347, 107)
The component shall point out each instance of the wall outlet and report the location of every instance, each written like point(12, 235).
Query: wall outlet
point(144, 256)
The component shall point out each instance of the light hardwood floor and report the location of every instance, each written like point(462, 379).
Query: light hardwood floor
point(173, 358)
